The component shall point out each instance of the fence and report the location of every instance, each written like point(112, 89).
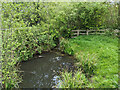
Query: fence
point(90, 32)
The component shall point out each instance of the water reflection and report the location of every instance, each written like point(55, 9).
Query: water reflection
point(43, 72)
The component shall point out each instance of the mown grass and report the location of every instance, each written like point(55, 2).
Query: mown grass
point(97, 55)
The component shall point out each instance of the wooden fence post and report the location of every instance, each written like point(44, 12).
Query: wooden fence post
point(77, 32)
point(87, 32)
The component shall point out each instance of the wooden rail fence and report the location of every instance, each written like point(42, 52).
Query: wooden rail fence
point(90, 32)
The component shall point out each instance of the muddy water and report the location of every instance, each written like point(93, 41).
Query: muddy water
point(42, 71)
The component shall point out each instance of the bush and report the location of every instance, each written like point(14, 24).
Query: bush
point(65, 46)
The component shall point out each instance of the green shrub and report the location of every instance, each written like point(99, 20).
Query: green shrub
point(65, 46)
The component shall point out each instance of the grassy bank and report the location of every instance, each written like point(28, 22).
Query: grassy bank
point(97, 56)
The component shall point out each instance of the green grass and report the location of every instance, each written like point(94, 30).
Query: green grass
point(97, 55)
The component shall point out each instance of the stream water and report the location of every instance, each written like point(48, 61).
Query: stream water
point(43, 70)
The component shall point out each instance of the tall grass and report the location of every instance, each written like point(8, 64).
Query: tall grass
point(78, 80)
